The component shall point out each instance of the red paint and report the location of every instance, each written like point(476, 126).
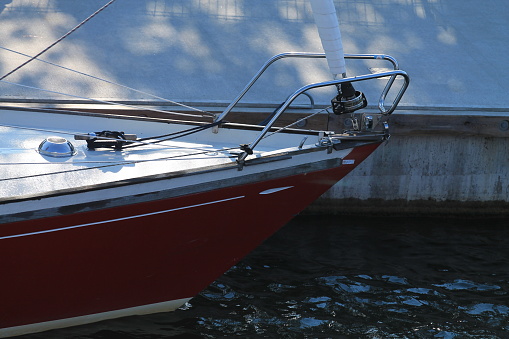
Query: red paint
point(156, 258)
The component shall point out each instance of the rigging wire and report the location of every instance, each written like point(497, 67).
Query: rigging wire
point(35, 57)
point(141, 142)
point(58, 40)
point(117, 164)
point(99, 100)
point(179, 134)
point(170, 136)
point(326, 109)
point(112, 83)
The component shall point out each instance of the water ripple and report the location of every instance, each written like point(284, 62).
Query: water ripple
point(348, 278)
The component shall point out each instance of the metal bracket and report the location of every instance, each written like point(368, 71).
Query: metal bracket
point(106, 139)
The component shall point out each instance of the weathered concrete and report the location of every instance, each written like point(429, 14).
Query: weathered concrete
point(427, 175)
point(205, 51)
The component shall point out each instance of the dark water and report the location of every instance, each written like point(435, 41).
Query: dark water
point(334, 277)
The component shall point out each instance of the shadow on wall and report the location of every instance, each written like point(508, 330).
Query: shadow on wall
point(4, 3)
point(196, 50)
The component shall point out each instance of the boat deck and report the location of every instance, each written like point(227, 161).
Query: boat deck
point(28, 172)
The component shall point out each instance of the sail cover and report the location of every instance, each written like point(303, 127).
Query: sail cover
point(326, 21)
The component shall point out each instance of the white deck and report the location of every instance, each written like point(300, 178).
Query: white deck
point(24, 171)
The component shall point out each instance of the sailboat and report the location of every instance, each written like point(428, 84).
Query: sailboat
point(105, 214)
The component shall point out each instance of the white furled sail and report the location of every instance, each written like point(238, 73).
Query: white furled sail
point(326, 21)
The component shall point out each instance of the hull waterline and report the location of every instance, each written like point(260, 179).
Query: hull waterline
point(141, 258)
point(135, 259)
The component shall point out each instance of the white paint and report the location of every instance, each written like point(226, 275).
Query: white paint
point(119, 219)
point(166, 306)
point(274, 190)
point(25, 173)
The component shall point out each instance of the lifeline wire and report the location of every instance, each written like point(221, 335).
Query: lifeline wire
point(60, 39)
point(296, 122)
point(97, 100)
point(113, 164)
point(141, 142)
point(176, 135)
point(109, 82)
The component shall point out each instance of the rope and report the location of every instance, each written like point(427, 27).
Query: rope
point(60, 39)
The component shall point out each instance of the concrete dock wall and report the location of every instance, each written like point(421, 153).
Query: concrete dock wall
point(205, 51)
point(429, 173)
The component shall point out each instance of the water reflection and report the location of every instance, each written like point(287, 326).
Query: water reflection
point(374, 278)
point(344, 278)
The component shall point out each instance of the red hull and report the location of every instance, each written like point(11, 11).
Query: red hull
point(133, 255)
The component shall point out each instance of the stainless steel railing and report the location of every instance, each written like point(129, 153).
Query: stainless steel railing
point(277, 57)
point(381, 104)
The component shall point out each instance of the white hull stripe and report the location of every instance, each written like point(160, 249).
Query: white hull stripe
point(120, 219)
point(274, 190)
point(166, 306)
